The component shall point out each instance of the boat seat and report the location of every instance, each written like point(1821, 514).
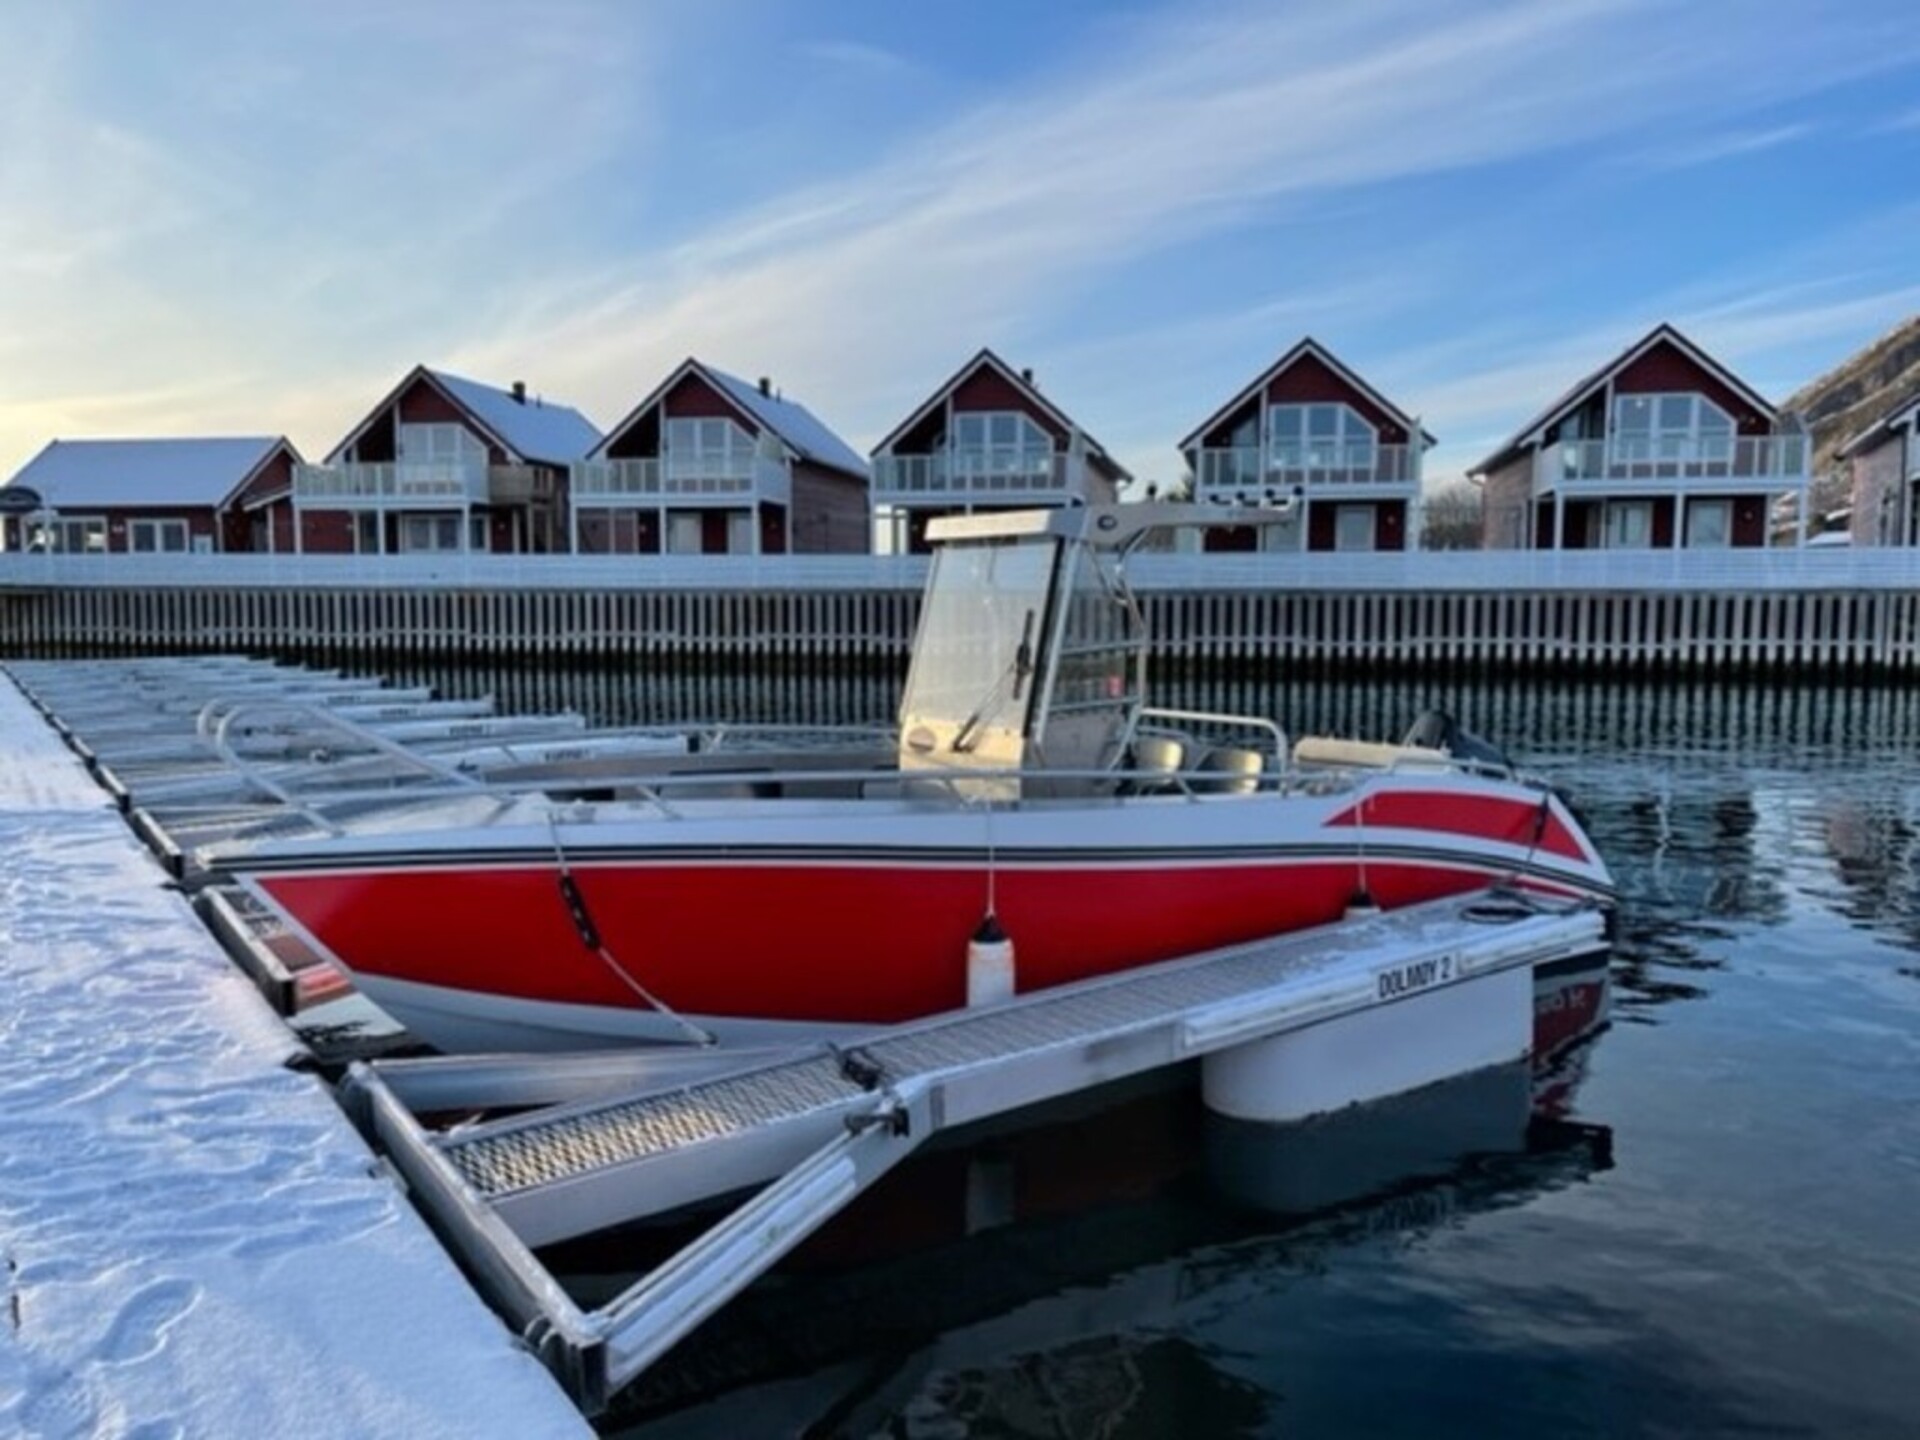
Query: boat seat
point(1331, 750)
point(1156, 760)
point(1230, 770)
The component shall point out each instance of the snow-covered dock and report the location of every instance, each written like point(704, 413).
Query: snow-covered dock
point(193, 1239)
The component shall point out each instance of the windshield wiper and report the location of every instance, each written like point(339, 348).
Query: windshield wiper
point(967, 736)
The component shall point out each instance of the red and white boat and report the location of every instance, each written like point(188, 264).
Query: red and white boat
point(762, 896)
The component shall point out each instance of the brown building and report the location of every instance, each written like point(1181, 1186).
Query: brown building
point(445, 463)
point(1308, 426)
point(1884, 460)
point(173, 496)
point(985, 440)
point(709, 464)
point(1661, 448)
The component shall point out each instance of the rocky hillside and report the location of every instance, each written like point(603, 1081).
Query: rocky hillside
point(1852, 396)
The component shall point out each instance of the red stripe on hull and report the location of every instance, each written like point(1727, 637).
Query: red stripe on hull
point(1485, 817)
point(853, 944)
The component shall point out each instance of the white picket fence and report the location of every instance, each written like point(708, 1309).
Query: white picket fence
point(1490, 571)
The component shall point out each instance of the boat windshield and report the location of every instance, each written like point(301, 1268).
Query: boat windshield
point(970, 687)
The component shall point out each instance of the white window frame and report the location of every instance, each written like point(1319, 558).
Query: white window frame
point(443, 441)
point(1619, 512)
point(1348, 532)
point(1721, 507)
point(157, 533)
point(69, 535)
point(440, 529)
point(711, 450)
point(1670, 427)
point(1322, 435)
point(1000, 445)
point(684, 532)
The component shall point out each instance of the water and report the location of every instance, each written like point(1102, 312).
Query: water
point(1710, 1225)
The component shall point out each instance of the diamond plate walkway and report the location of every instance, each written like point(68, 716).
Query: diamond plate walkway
point(823, 1124)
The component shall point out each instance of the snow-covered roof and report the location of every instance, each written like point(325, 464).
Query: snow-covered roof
point(533, 428)
point(90, 474)
point(792, 423)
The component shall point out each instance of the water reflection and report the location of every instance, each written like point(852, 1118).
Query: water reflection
point(1049, 1280)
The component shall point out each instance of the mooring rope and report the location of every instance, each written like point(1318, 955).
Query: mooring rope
point(576, 904)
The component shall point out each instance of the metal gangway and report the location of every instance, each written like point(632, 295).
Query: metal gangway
point(620, 1136)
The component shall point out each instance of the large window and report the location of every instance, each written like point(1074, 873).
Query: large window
point(79, 535)
point(1709, 524)
point(429, 532)
point(446, 443)
point(1671, 429)
point(1630, 525)
point(1001, 443)
point(1353, 527)
point(710, 450)
point(152, 537)
point(1320, 437)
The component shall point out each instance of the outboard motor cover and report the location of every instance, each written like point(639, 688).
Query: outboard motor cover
point(1437, 730)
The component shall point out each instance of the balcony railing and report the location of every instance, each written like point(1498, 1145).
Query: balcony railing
point(1776, 459)
point(681, 478)
point(416, 481)
point(995, 473)
point(1230, 469)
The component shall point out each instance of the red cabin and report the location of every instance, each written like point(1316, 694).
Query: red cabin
point(1661, 448)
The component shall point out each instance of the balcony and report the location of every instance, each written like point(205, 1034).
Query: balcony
point(1664, 463)
point(518, 484)
point(390, 483)
point(1343, 469)
point(1001, 475)
point(682, 480)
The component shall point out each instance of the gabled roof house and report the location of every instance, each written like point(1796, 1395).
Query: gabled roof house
point(159, 496)
point(709, 463)
point(1662, 447)
point(445, 463)
point(1310, 428)
point(1884, 461)
point(984, 440)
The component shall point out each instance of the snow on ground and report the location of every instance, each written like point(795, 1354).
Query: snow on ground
point(193, 1240)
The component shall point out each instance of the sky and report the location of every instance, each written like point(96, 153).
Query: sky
point(222, 217)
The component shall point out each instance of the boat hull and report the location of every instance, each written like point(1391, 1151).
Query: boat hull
point(796, 926)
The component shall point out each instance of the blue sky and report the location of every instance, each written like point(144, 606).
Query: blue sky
point(219, 216)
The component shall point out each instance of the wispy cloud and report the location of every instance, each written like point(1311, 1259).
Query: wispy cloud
point(1727, 145)
point(856, 55)
point(347, 215)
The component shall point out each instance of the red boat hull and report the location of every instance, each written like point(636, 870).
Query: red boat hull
point(852, 918)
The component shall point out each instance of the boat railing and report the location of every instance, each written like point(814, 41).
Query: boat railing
point(1155, 717)
point(1218, 772)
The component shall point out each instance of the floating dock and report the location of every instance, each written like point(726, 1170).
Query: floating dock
point(193, 1240)
point(1323, 1019)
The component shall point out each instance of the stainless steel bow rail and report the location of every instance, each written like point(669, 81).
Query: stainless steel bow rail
point(626, 1136)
